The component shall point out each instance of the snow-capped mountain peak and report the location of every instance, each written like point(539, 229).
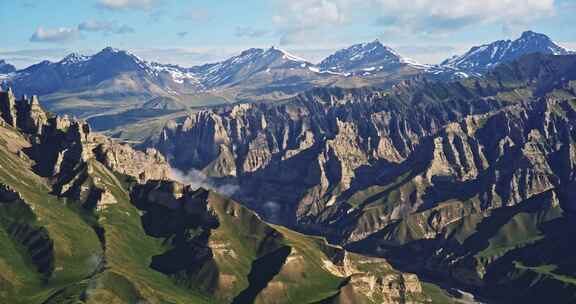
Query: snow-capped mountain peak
point(105, 67)
point(113, 53)
point(129, 62)
point(484, 57)
point(111, 50)
point(74, 58)
point(531, 34)
point(364, 57)
point(285, 54)
point(248, 63)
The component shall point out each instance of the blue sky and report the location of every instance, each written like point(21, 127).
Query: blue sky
point(194, 31)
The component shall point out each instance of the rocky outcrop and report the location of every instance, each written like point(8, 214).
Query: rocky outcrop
point(8, 107)
point(145, 165)
point(62, 149)
point(32, 117)
point(25, 114)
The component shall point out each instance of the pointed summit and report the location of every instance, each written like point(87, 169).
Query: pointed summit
point(110, 49)
point(484, 57)
point(113, 52)
point(74, 58)
point(369, 56)
point(249, 63)
point(285, 54)
point(533, 35)
point(8, 112)
point(105, 68)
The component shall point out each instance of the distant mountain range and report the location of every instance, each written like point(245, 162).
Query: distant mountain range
point(252, 66)
point(112, 82)
point(119, 72)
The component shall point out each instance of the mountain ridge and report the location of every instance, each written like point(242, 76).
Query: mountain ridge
point(528, 42)
point(363, 58)
point(481, 58)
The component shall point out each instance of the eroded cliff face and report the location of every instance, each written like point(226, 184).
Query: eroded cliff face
point(424, 163)
point(61, 147)
point(481, 163)
point(307, 153)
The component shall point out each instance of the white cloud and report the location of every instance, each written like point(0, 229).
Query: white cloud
point(196, 15)
point(24, 58)
point(250, 32)
point(56, 35)
point(197, 179)
point(486, 9)
point(437, 17)
point(296, 20)
point(308, 14)
point(68, 34)
point(127, 4)
point(108, 27)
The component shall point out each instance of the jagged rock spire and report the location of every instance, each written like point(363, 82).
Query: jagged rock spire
point(25, 114)
point(8, 107)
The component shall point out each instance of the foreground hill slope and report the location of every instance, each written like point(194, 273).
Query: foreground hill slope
point(86, 220)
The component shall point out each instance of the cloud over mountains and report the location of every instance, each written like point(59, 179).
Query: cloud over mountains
point(69, 34)
point(56, 35)
point(297, 19)
point(128, 4)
